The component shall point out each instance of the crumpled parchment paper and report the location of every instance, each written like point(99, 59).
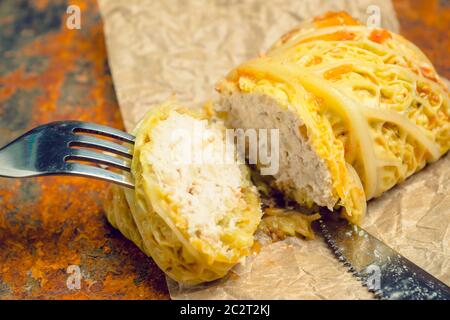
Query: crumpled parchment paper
point(160, 48)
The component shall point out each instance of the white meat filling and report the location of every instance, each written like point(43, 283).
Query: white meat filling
point(301, 171)
point(205, 191)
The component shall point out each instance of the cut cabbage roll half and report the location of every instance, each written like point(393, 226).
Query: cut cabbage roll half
point(194, 209)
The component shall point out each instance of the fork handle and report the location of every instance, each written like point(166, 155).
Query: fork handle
point(9, 172)
point(11, 168)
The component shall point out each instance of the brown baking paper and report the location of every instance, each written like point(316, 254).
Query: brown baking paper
point(160, 48)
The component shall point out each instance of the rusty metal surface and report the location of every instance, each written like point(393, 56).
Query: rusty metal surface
point(427, 24)
point(48, 73)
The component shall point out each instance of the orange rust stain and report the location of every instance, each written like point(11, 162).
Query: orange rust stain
point(426, 24)
point(64, 224)
point(40, 4)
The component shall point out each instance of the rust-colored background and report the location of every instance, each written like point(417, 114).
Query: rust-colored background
point(49, 73)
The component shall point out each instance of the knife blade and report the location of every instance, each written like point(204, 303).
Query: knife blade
point(381, 269)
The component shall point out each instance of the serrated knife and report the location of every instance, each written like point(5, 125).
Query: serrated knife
point(381, 269)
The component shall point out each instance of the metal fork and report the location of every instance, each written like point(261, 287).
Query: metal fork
point(54, 149)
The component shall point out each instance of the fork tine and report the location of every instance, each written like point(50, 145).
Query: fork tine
point(103, 130)
point(98, 157)
point(88, 141)
point(98, 173)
